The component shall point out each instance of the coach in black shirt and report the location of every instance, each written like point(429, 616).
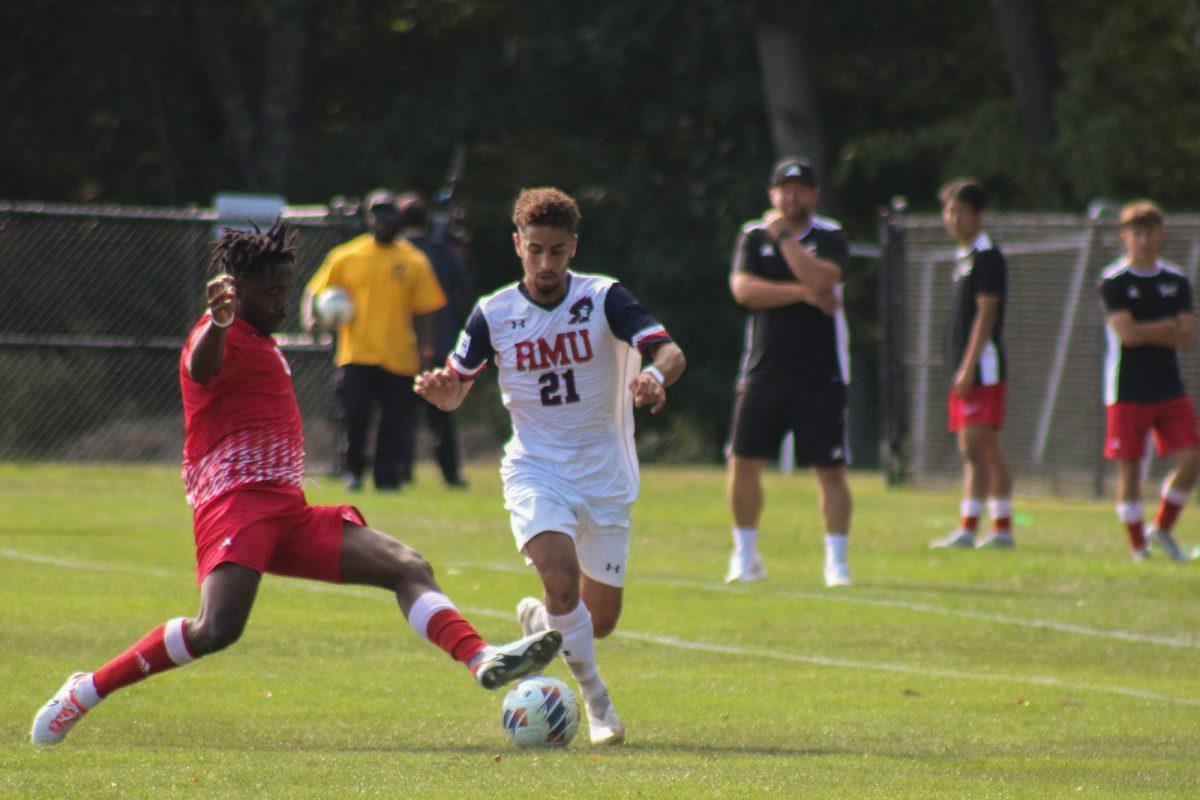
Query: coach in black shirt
point(787, 273)
point(1148, 308)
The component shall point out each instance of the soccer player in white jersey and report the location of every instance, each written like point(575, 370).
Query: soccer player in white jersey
point(568, 348)
point(1148, 307)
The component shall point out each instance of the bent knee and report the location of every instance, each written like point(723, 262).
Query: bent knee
point(604, 624)
point(214, 634)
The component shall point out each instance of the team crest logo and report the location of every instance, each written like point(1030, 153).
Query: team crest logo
point(581, 311)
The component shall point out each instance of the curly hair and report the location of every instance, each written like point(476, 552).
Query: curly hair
point(243, 254)
point(546, 206)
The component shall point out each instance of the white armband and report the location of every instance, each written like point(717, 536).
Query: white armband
point(656, 373)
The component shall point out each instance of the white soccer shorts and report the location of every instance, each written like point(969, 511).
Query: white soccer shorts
point(600, 532)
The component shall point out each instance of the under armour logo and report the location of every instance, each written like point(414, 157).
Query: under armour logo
point(1167, 289)
point(610, 567)
point(1134, 293)
point(516, 323)
point(228, 541)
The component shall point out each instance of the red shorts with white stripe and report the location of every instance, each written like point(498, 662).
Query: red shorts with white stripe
point(272, 529)
point(983, 406)
point(1172, 421)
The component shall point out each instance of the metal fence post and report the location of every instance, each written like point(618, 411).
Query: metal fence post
point(893, 378)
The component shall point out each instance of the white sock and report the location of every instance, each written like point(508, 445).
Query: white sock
point(85, 692)
point(1130, 512)
point(971, 507)
point(1000, 507)
point(423, 610)
point(835, 546)
point(745, 541)
point(1177, 496)
point(578, 648)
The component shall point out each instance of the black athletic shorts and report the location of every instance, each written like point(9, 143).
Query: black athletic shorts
point(817, 418)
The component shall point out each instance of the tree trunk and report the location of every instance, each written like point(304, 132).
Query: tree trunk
point(224, 78)
point(1031, 65)
point(787, 82)
point(284, 72)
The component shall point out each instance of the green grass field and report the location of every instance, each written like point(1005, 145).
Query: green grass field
point(1058, 670)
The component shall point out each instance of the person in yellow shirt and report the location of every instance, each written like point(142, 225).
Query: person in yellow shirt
point(387, 341)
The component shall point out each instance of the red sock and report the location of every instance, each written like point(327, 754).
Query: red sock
point(969, 523)
point(1168, 512)
point(1137, 538)
point(159, 650)
point(1002, 524)
point(451, 632)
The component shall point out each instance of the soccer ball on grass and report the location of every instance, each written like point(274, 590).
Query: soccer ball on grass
point(541, 712)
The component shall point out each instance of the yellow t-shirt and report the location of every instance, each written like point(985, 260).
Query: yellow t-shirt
point(388, 284)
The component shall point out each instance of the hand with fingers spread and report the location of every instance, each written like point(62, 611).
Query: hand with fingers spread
point(220, 297)
point(441, 387)
point(647, 391)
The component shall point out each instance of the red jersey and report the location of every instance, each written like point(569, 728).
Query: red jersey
point(243, 426)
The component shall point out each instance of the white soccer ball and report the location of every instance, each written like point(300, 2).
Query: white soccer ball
point(333, 308)
point(541, 712)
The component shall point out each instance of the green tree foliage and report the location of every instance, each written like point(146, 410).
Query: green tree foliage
point(651, 113)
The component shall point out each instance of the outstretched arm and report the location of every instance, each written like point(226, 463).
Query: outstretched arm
point(204, 362)
point(668, 361)
point(443, 388)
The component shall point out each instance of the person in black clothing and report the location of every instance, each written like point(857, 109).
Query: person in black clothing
point(795, 369)
point(975, 353)
point(1148, 308)
point(460, 295)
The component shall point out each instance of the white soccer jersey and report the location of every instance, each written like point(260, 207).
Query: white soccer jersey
point(564, 374)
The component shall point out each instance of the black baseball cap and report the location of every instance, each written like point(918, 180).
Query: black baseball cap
point(380, 197)
point(792, 168)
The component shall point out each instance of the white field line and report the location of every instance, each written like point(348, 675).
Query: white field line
point(840, 596)
point(676, 643)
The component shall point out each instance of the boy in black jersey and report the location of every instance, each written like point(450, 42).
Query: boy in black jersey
point(975, 353)
point(1148, 308)
point(787, 273)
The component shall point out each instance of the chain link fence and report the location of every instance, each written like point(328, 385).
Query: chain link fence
point(1053, 337)
point(95, 307)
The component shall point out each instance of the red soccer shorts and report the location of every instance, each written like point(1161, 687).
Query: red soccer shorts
point(983, 406)
point(272, 529)
point(1173, 422)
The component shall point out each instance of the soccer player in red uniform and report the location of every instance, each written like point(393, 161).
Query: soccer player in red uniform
point(242, 469)
point(975, 411)
point(1148, 308)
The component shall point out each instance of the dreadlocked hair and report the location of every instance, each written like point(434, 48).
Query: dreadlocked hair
point(243, 254)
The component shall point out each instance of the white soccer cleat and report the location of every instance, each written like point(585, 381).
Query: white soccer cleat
point(1001, 540)
point(501, 664)
point(530, 613)
point(837, 573)
point(55, 719)
point(959, 537)
point(1164, 539)
point(604, 725)
point(742, 568)
point(1139, 554)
